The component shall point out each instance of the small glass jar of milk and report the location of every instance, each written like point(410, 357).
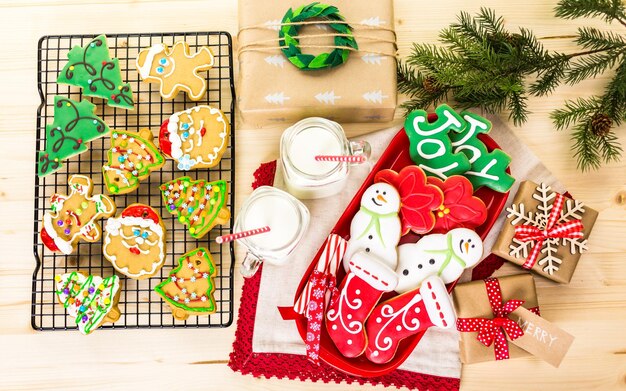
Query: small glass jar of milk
point(287, 219)
point(307, 178)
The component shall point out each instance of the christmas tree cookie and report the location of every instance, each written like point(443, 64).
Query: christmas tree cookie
point(189, 288)
point(92, 68)
point(200, 205)
point(131, 159)
point(91, 300)
point(74, 125)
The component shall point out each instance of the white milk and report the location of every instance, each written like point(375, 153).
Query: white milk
point(276, 212)
point(311, 142)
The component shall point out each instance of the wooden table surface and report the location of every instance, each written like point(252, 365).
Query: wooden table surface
point(592, 307)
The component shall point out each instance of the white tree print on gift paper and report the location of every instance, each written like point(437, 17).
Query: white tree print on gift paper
point(327, 97)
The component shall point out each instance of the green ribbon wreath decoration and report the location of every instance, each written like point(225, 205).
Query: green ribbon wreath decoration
point(289, 32)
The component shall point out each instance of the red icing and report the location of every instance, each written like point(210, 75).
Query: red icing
point(202, 132)
point(164, 142)
point(461, 208)
point(141, 211)
point(134, 250)
point(48, 241)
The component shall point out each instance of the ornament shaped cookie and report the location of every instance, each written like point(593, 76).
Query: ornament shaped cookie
point(131, 159)
point(459, 209)
point(430, 146)
point(73, 217)
point(406, 315)
point(442, 255)
point(91, 300)
point(92, 68)
point(176, 69)
point(418, 199)
point(367, 279)
point(376, 227)
point(74, 125)
point(195, 138)
point(200, 205)
point(190, 286)
point(135, 242)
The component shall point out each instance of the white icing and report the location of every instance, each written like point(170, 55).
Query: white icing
point(372, 270)
point(332, 315)
point(115, 223)
point(437, 302)
point(144, 70)
point(175, 140)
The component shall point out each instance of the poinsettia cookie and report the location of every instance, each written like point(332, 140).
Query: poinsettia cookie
point(175, 69)
point(459, 208)
point(190, 286)
point(135, 242)
point(73, 217)
point(91, 300)
point(195, 138)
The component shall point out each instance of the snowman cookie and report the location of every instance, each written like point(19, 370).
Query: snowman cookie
point(135, 242)
point(442, 255)
point(376, 228)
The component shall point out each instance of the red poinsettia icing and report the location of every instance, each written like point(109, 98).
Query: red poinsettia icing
point(418, 198)
point(460, 209)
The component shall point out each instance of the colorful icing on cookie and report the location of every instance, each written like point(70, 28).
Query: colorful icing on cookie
point(200, 205)
point(91, 68)
point(189, 288)
point(135, 242)
point(91, 300)
point(176, 69)
point(131, 159)
point(459, 209)
point(196, 137)
point(74, 125)
point(73, 217)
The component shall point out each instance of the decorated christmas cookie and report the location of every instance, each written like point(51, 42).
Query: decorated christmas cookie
point(135, 242)
point(92, 69)
point(73, 217)
point(376, 228)
point(418, 199)
point(196, 137)
point(200, 205)
point(74, 125)
point(91, 300)
point(189, 288)
point(131, 158)
point(176, 69)
point(406, 315)
point(442, 255)
point(459, 209)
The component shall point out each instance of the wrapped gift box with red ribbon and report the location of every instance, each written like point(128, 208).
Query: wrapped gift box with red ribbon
point(545, 232)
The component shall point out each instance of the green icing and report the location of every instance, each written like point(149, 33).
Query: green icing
point(92, 69)
point(450, 255)
point(74, 125)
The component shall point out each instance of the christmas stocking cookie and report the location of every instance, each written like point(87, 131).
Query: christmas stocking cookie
point(405, 315)
point(175, 69)
point(73, 217)
point(366, 281)
point(441, 255)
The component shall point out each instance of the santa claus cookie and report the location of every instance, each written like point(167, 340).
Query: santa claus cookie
point(441, 255)
point(73, 217)
point(196, 137)
point(176, 69)
point(376, 227)
point(189, 288)
point(135, 242)
point(91, 300)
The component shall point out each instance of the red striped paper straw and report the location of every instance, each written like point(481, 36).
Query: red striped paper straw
point(242, 234)
point(341, 158)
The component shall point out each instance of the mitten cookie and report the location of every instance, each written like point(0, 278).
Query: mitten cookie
point(405, 315)
point(73, 217)
point(135, 242)
point(176, 69)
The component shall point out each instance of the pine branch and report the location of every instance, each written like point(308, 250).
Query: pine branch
point(608, 10)
point(575, 111)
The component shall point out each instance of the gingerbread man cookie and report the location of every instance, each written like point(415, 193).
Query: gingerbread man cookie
point(73, 217)
point(176, 69)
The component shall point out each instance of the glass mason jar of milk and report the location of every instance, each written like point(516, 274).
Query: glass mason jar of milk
point(307, 178)
point(287, 219)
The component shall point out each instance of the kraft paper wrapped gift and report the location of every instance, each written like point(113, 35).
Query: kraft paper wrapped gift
point(272, 90)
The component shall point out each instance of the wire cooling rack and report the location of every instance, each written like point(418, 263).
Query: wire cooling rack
point(140, 306)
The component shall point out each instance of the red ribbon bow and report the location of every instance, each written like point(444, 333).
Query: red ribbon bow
point(572, 229)
point(492, 331)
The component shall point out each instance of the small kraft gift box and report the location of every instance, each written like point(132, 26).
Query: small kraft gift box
point(334, 59)
point(545, 232)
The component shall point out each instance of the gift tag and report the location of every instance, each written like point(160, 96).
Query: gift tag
point(541, 338)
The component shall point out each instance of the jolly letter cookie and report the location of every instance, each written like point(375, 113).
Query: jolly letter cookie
point(135, 242)
point(175, 69)
point(189, 288)
point(73, 217)
point(196, 137)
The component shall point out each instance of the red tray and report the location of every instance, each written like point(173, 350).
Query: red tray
point(395, 157)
